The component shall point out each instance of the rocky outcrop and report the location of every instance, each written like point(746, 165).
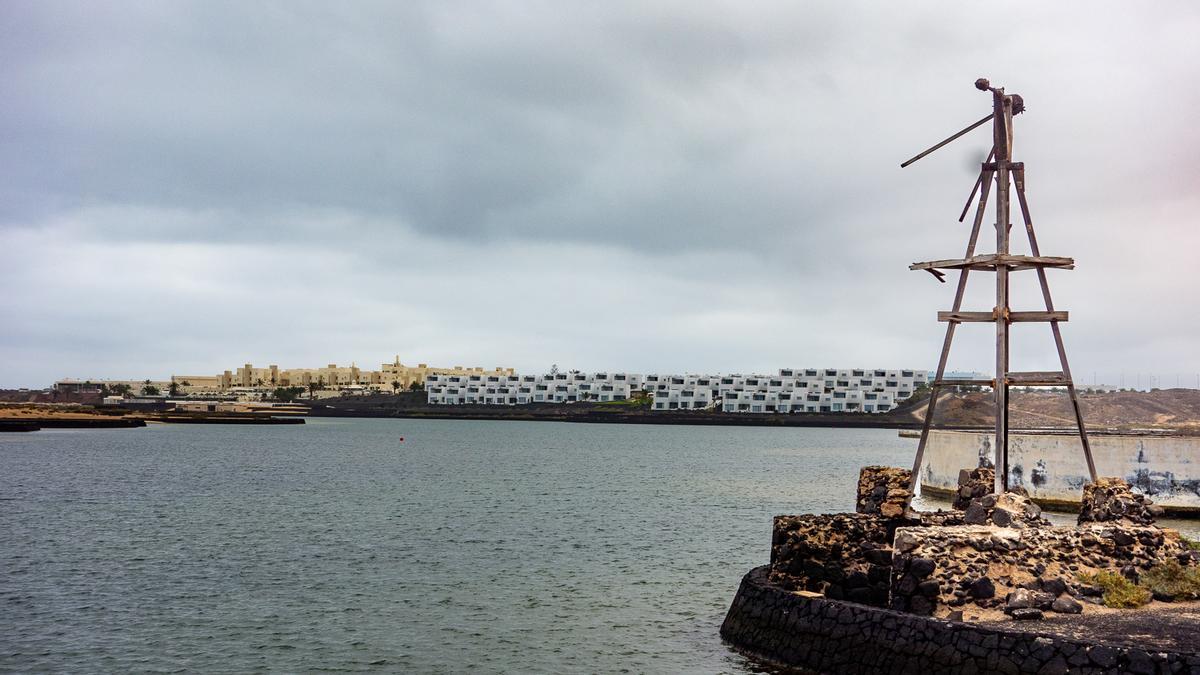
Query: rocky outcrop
point(1111, 499)
point(884, 490)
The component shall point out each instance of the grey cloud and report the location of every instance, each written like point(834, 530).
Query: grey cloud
point(700, 171)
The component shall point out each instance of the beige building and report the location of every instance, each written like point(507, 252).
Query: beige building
point(405, 376)
point(330, 378)
point(203, 384)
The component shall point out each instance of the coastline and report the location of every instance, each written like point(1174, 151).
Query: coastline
point(593, 414)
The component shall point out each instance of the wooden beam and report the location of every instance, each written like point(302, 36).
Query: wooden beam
point(1013, 317)
point(1038, 378)
point(964, 381)
point(991, 261)
point(958, 298)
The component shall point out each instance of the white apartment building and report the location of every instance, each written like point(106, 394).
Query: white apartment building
point(790, 390)
point(820, 390)
point(499, 389)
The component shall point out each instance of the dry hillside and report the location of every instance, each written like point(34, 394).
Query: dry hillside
point(1171, 408)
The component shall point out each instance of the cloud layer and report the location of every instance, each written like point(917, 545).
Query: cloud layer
point(187, 187)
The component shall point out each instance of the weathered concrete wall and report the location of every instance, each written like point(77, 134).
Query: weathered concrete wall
point(829, 636)
point(1051, 466)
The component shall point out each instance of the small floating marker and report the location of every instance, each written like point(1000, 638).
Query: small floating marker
point(401, 439)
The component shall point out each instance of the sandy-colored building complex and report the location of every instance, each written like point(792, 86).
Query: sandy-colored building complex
point(332, 378)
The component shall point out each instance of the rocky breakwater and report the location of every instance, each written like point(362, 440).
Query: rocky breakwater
point(996, 559)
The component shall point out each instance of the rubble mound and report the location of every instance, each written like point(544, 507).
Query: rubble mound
point(884, 490)
point(1011, 509)
point(1111, 499)
point(973, 484)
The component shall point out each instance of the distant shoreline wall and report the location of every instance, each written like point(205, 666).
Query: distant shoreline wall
point(1052, 467)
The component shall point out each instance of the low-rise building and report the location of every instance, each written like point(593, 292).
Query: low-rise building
point(789, 390)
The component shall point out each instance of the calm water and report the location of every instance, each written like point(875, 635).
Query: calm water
point(483, 546)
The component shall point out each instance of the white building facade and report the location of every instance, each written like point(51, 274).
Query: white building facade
point(813, 390)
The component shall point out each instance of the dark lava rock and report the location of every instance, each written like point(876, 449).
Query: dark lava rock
point(1105, 657)
point(1026, 614)
point(920, 605)
point(1002, 517)
point(929, 588)
point(1066, 605)
point(976, 514)
point(862, 596)
point(1041, 600)
point(1055, 586)
point(921, 567)
point(983, 588)
point(879, 556)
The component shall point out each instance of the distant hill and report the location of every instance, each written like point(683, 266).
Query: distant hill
point(1165, 408)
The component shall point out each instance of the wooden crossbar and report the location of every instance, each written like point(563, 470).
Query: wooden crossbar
point(1038, 378)
point(956, 381)
point(1013, 317)
point(991, 261)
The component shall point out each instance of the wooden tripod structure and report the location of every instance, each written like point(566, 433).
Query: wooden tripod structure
point(1000, 168)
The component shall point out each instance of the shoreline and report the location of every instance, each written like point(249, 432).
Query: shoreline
point(600, 416)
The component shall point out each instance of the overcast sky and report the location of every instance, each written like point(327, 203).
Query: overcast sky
point(655, 187)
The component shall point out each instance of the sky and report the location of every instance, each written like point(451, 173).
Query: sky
point(643, 186)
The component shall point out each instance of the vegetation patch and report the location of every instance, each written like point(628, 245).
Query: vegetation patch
point(1172, 580)
point(1119, 592)
point(642, 402)
point(1190, 543)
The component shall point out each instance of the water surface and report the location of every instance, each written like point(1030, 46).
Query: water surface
point(468, 545)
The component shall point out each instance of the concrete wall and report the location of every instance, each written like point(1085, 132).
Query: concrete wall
point(1052, 468)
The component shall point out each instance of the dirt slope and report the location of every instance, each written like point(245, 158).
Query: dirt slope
point(1168, 408)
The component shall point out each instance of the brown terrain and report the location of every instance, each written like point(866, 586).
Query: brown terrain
point(1177, 409)
point(1173, 409)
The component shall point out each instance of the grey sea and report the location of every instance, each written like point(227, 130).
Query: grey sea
point(399, 545)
